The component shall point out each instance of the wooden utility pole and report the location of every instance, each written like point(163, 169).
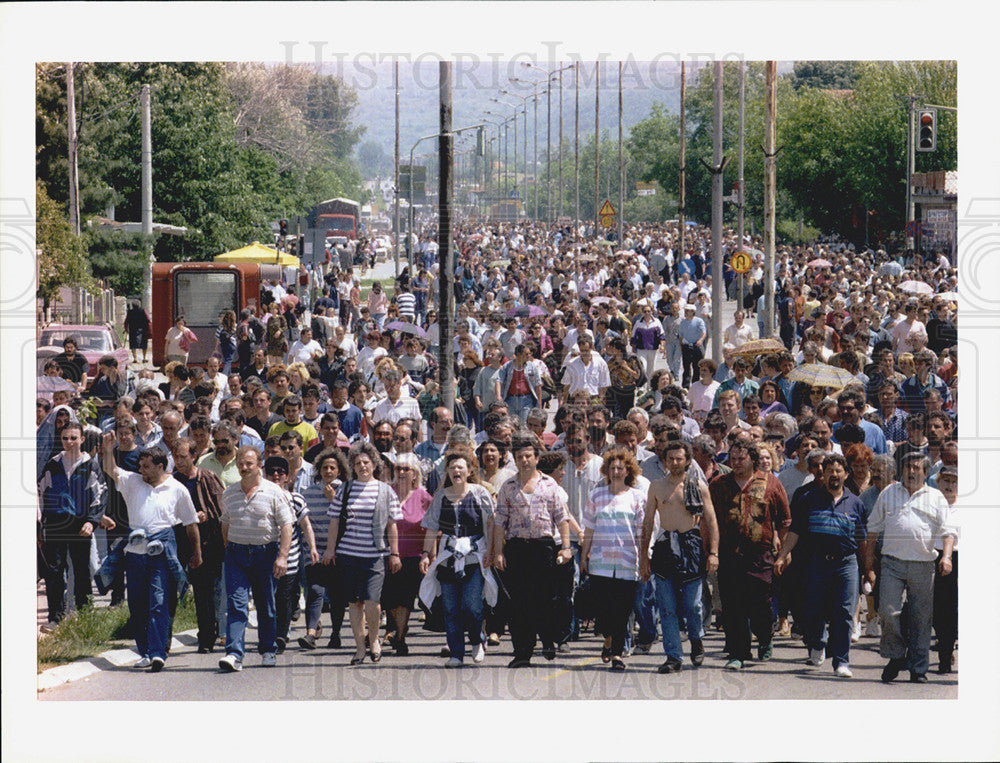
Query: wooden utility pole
point(73, 146)
point(576, 147)
point(395, 222)
point(147, 196)
point(446, 252)
point(770, 185)
point(621, 165)
point(597, 147)
point(679, 255)
point(718, 283)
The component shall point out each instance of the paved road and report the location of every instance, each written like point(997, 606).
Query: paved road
point(324, 674)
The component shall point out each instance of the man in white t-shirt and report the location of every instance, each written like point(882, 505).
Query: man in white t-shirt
point(155, 502)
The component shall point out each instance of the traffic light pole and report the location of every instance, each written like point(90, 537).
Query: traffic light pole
point(910, 164)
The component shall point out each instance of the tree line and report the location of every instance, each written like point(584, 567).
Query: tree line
point(235, 146)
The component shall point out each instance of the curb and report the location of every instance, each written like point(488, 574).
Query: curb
point(112, 659)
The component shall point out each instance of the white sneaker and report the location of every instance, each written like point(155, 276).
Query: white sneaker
point(842, 671)
point(252, 618)
point(156, 664)
point(873, 628)
point(480, 653)
point(856, 632)
point(229, 664)
point(816, 657)
point(269, 660)
point(144, 662)
point(454, 662)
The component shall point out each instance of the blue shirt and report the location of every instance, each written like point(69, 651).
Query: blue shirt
point(691, 330)
point(828, 527)
point(874, 436)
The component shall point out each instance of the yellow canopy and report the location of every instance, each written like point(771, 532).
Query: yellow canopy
point(257, 252)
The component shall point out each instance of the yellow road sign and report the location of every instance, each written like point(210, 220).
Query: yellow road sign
point(608, 221)
point(741, 262)
point(607, 209)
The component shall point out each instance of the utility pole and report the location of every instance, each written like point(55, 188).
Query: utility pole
point(718, 283)
point(911, 161)
point(548, 149)
point(739, 192)
point(597, 145)
point(73, 146)
point(561, 193)
point(621, 165)
point(534, 169)
point(576, 145)
point(395, 222)
point(680, 206)
point(147, 197)
point(770, 185)
point(446, 254)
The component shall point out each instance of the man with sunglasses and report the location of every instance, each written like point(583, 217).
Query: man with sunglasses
point(912, 390)
point(851, 404)
point(221, 461)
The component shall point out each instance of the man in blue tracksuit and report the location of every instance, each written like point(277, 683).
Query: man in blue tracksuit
point(73, 498)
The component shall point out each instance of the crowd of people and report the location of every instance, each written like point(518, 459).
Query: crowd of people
point(598, 471)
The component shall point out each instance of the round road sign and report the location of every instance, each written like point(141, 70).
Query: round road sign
point(741, 262)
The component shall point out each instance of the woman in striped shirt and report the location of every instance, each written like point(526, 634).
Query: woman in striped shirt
point(369, 512)
point(612, 522)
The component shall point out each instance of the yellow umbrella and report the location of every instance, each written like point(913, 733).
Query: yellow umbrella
point(756, 347)
point(821, 375)
point(257, 252)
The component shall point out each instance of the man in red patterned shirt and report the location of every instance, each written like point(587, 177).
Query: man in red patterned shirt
point(753, 515)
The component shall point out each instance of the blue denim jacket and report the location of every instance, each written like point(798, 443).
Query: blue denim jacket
point(115, 560)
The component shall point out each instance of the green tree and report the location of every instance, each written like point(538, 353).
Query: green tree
point(62, 259)
point(828, 75)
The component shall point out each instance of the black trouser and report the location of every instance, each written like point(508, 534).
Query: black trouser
point(946, 608)
point(496, 617)
point(61, 548)
point(118, 585)
point(564, 575)
point(746, 608)
point(530, 581)
point(691, 355)
point(613, 600)
point(202, 581)
point(286, 588)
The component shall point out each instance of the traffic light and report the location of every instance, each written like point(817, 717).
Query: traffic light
point(927, 130)
point(283, 227)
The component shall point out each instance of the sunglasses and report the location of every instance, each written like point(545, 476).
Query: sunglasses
point(275, 472)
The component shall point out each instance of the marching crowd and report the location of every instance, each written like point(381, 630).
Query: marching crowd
point(598, 471)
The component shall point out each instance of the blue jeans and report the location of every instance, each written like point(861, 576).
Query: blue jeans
point(520, 405)
point(913, 640)
point(147, 579)
point(830, 594)
point(249, 569)
point(685, 597)
point(642, 608)
point(674, 359)
point(463, 610)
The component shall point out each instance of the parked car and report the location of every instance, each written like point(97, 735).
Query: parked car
point(93, 342)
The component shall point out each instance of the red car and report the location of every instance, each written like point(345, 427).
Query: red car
point(93, 342)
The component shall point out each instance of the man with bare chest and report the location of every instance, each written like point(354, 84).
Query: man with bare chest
point(687, 548)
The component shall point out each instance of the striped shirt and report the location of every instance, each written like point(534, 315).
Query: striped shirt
point(299, 510)
point(319, 507)
point(616, 522)
point(255, 520)
point(407, 304)
point(357, 539)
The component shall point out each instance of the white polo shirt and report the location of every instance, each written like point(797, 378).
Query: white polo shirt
point(155, 508)
point(911, 524)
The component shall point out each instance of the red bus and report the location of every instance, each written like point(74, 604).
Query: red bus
point(201, 292)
